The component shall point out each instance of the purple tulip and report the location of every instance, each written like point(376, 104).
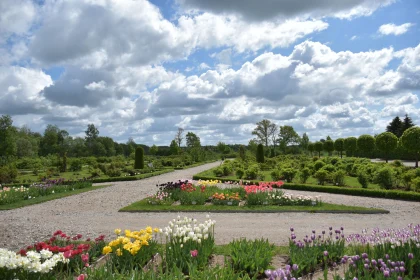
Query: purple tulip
point(325, 253)
point(410, 256)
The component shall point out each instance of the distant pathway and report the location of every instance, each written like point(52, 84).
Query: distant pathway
point(96, 212)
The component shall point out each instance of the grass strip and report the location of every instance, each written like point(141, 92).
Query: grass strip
point(144, 206)
point(41, 199)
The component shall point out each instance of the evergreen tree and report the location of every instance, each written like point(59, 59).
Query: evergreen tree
point(139, 158)
point(395, 127)
point(406, 124)
point(260, 153)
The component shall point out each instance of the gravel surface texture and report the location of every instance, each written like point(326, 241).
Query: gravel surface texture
point(96, 212)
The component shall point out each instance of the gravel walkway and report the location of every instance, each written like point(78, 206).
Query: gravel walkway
point(96, 212)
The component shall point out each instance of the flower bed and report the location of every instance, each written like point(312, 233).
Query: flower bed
point(383, 254)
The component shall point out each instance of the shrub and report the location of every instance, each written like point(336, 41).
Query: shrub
point(260, 153)
point(385, 178)
point(362, 178)
point(113, 172)
point(252, 172)
point(416, 184)
point(407, 177)
point(76, 165)
point(304, 175)
point(218, 171)
point(239, 173)
point(8, 174)
point(289, 174)
point(329, 167)
point(322, 176)
point(139, 158)
point(275, 175)
point(318, 165)
point(226, 169)
point(338, 177)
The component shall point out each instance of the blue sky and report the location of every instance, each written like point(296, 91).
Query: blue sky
point(142, 69)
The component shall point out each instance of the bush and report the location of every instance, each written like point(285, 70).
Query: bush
point(8, 174)
point(218, 171)
point(252, 172)
point(239, 173)
point(329, 167)
point(113, 172)
point(139, 158)
point(226, 169)
point(304, 175)
point(338, 177)
point(362, 178)
point(322, 176)
point(416, 184)
point(289, 174)
point(318, 165)
point(76, 165)
point(385, 178)
point(275, 175)
point(407, 177)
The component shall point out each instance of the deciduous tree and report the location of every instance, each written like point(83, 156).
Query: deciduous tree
point(386, 142)
point(264, 131)
point(350, 145)
point(339, 146)
point(410, 140)
point(366, 144)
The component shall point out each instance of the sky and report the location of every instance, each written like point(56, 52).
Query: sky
point(140, 69)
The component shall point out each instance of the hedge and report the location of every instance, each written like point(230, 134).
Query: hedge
point(131, 178)
point(389, 194)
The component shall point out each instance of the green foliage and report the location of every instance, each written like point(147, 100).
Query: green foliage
point(258, 198)
point(338, 177)
point(410, 140)
point(242, 152)
point(386, 142)
point(251, 173)
point(139, 158)
point(329, 146)
point(366, 144)
point(8, 173)
point(339, 146)
point(252, 256)
point(239, 173)
point(264, 131)
point(322, 176)
point(415, 183)
point(289, 174)
point(76, 165)
point(318, 165)
point(318, 147)
point(275, 175)
point(304, 175)
point(384, 178)
point(260, 153)
point(350, 145)
point(363, 180)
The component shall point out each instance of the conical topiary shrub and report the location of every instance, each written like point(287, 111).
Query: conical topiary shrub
point(139, 158)
point(260, 153)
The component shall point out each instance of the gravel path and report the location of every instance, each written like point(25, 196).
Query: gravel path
point(96, 212)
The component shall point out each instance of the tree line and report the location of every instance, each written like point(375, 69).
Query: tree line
point(399, 135)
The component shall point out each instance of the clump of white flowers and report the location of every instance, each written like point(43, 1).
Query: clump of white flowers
point(181, 230)
point(42, 262)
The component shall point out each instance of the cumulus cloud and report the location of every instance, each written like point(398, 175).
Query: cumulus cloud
point(269, 9)
point(392, 29)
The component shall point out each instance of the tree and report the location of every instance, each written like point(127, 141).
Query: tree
point(329, 146)
point(350, 145)
point(311, 147)
point(274, 134)
point(287, 136)
point(264, 131)
point(304, 142)
point(242, 152)
point(222, 148)
point(260, 153)
point(406, 124)
point(91, 136)
point(179, 136)
point(366, 144)
point(386, 142)
point(139, 158)
point(49, 142)
point(7, 137)
point(395, 126)
point(173, 148)
point(318, 147)
point(252, 146)
point(193, 141)
point(410, 140)
point(339, 146)
point(154, 150)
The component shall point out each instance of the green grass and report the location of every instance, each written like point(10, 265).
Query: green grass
point(41, 199)
point(144, 206)
point(225, 250)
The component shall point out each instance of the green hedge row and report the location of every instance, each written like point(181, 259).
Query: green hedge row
point(131, 178)
point(194, 165)
point(391, 194)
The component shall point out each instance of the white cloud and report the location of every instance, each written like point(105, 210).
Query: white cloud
point(392, 29)
point(354, 37)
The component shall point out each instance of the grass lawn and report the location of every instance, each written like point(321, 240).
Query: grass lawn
point(41, 199)
point(144, 206)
